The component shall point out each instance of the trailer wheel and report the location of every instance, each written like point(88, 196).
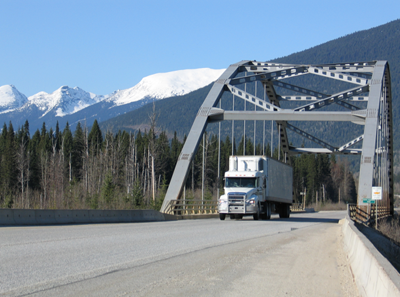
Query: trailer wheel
point(287, 211)
point(222, 216)
point(284, 211)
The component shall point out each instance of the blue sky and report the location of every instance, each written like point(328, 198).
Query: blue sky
point(105, 45)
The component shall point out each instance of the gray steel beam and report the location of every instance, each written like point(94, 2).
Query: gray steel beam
point(366, 181)
point(377, 140)
point(335, 99)
point(302, 150)
point(217, 114)
point(199, 125)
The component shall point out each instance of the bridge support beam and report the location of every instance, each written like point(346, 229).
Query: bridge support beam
point(370, 82)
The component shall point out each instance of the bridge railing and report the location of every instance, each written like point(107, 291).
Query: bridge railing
point(203, 207)
point(297, 207)
point(363, 216)
point(192, 207)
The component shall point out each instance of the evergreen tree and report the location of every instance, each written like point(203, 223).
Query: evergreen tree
point(95, 138)
point(78, 149)
point(67, 147)
point(108, 189)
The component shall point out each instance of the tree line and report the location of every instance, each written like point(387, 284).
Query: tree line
point(54, 169)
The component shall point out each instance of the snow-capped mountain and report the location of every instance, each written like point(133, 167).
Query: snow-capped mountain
point(164, 85)
point(74, 104)
point(11, 98)
point(63, 101)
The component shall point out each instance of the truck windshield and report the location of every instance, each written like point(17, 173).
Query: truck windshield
point(240, 182)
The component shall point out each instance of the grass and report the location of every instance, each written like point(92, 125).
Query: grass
point(326, 206)
point(390, 227)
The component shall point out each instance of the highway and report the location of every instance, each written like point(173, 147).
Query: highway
point(299, 256)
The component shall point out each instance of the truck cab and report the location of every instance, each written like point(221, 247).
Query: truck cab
point(247, 188)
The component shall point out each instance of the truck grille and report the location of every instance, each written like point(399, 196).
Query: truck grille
point(236, 203)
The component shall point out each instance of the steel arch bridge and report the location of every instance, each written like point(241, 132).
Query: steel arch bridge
point(362, 97)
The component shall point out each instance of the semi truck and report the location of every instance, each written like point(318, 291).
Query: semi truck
point(256, 186)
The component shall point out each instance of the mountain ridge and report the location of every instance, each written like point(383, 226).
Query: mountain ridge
point(74, 104)
point(365, 45)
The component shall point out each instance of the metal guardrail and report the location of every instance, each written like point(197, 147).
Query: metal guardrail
point(202, 207)
point(365, 216)
point(192, 207)
point(297, 207)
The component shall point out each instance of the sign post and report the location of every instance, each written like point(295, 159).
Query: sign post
point(376, 196)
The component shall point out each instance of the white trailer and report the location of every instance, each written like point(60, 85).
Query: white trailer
point(257, 186)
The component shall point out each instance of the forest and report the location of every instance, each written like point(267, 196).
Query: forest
point(61, 169)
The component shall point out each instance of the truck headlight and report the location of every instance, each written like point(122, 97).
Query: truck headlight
point(250, 201)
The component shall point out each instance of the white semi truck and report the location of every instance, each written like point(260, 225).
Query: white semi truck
point(257, 186)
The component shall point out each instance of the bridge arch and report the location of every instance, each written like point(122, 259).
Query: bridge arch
point(362, 97)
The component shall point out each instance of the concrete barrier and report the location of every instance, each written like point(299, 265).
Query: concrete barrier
point(373, 273)
point(80, 216)
point(111, 216)
point(7, 217)
point(45, 217)
point(12, 217)
point(64, 217)
point(24, 217)
point(96, 216)
point(137, 216)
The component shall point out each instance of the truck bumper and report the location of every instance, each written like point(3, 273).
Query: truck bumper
point(248, 209)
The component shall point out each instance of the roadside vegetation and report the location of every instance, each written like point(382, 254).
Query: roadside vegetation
point(329, 205)
point(390, 227)
point(97, 169)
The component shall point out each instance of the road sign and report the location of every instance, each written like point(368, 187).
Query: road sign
point(369, 200)
point(376, 193)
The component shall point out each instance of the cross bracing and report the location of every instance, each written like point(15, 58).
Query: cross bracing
point(292, 96)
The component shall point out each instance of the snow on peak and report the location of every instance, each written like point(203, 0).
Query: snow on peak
point(11, 98)
point(63, 101)
point(164, 85)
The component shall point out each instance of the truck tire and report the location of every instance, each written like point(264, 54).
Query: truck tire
point(287, 211)
point(284, 211)
point(222, 216)
point(232, 217)
point(267, 211)
point(257, 215)
point(266, 215)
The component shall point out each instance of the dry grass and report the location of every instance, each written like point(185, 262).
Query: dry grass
point(390, 227)
point(325, 206)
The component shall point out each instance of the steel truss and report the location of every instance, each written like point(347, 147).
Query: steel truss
point(369, 84)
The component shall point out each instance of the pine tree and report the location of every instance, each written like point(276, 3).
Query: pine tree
point(95, 138)
point(108, 189)
point(78, 150)
point(67, 148)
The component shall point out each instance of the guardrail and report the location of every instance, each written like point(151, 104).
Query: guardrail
point(202, 207)
point(360, 215)
point(297, 207)
point(191, 207)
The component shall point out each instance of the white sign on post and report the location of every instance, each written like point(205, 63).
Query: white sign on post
point(376, 193)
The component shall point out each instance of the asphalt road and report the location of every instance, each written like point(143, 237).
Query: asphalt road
point(299, 256)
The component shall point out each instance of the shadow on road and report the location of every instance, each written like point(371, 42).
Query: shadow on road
point(310, 220)
point(293, 219)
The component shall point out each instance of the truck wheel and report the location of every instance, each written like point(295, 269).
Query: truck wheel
point(284, 211)
point(257, 215)
point(232, 217)
point(267, 211)
point(287, 211)
point(222, 216)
